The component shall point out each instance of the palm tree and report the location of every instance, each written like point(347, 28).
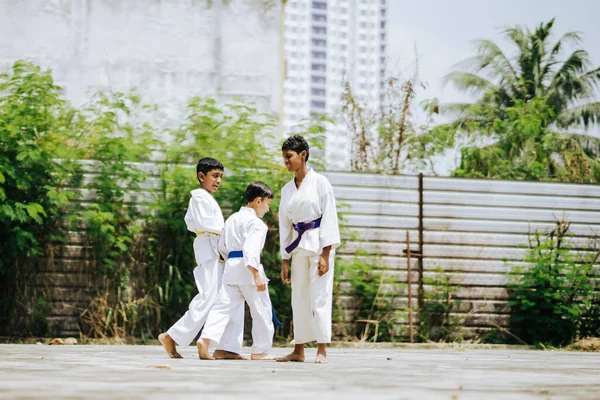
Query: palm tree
point(535, 77)
point(535, 70)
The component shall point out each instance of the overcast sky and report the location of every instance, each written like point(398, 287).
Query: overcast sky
point(443, 31)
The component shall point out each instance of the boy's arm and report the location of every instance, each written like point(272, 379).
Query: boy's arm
point(223, 248)
point(199, 219)
point(285, 229)
point(329, 232)
point(254, 244)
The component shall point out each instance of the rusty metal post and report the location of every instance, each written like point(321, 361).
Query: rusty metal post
point(408, 278)
point(420, 293)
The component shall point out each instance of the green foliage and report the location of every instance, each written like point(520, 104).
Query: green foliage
point(137, 257)
point(115, 142)
point(35, 162)
point(555, 300)
point(374, 317)
point(530, 105)
point(526, 150)
point(436, 322)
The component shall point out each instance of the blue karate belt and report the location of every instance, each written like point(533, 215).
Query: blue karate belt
point(240, 254)
point(236, 254)
point(302, 227)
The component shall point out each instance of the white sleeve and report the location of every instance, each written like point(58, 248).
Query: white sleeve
point(222, 247)
point(254, 244)
point(329, 233)
point(286, 229)
point(198, 217)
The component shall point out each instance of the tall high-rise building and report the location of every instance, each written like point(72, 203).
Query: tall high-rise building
point(326, 43)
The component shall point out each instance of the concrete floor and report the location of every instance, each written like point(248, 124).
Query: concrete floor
point(107, 372)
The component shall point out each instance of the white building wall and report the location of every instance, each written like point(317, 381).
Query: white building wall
point(170, 50)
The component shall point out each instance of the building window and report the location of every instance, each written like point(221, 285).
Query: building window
point(319, 54)
point(319, 5)
point(318, 92)
point(317, 104)
point(318, 67)
point(318, 79)
point(319, 30)
point(319, 18)
point(319, 42)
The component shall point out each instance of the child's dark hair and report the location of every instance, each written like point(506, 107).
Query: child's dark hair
point(207, 164)
point(296, 143)
point(258, 189)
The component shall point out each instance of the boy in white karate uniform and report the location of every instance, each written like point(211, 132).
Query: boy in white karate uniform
point(204, 217)
point(309, 234)
point(244, 277)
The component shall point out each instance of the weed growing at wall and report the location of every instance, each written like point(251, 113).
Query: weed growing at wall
point(556, 299)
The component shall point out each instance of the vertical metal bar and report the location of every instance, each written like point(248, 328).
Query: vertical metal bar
point(408, 277)
point(420, 293)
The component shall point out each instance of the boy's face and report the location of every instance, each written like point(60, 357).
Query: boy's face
point(293, 161)
point(263, 205)
point(211, 180)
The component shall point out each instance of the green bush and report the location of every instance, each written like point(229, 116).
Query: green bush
point(115, 141)
point(136, 258)
point(555, 300)
point(36, 153)
point(374, 315)
point(436, 322)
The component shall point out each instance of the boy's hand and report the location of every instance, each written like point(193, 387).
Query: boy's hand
point(261, 286)
point(260, 283)
point(323, 265)
point(285, 272)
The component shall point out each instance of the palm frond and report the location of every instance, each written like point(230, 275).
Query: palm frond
point(589, 144)
point(575, 64)
point(468, 82)
point(592, 77)
point(584, 115)
point(492, 59)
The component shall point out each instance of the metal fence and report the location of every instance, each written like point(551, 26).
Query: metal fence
point(474, 230)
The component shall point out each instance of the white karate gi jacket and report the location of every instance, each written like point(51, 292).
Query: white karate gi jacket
point(204, 217)
point(243, 231)
point(312, 200)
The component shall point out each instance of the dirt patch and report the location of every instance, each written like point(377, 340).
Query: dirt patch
point(585, 344)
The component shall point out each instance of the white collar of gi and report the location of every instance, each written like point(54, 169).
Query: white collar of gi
point(200, 193)
point(248, 209)
point(309, 173)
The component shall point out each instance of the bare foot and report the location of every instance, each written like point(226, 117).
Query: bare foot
point(262, 357)
point(227, 355)
point(169, 345)
point(292, 357)
point(321, 359)
point(203, 351)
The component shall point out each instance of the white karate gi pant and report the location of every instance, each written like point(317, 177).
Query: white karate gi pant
point(231, 300)
point(208, 281)
point(311, 299)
